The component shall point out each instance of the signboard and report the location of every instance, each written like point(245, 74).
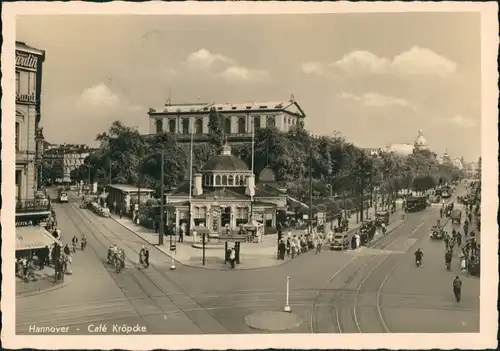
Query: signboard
point(24, 223)
point(232, 238)
point(27, 61)
point(305, 216)
point(29, 99)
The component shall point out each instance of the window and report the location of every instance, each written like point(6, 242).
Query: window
point(200, 215)
point(224, 180)
point(198, 126)
point(185, 126)
point(18, 82)
point(270, 121)
point(32, 83)
point(171, 126)
point(159, 126)
point(217, 180)
point(256, 122)
point(18, 184)
point(241, 125)
point(227, 125)
point(230, 180)
point(241, 215)
point(18, 131)
point(242, 180)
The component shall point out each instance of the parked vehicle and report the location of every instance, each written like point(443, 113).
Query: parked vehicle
point(340, 242)
point(437, 233)
point(63, 196)
point(382, 217)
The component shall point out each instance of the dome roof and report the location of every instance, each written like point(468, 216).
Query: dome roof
point(225, 162)
point(420, 142)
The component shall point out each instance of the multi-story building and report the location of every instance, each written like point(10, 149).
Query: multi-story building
point(186, 119)
point(29, 62)
point(65, 158)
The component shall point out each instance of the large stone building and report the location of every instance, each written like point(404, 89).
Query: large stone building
point(65, 158)
point(404, 149)
point(28, 62)
point(185, 119)
point(225, 194)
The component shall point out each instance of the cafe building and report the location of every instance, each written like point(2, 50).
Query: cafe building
point(33, 209)
point(225, 195)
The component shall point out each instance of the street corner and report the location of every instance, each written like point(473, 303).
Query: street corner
point(246, 263)
point(44, 285)
point(273, 321)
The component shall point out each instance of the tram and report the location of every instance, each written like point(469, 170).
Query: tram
point(63, 196)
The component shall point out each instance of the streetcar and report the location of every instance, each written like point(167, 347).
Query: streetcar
point(416, 203)
point(446, 192)
point(63, 196)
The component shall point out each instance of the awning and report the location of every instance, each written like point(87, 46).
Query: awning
point(32, 238)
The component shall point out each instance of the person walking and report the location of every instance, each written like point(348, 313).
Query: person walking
point(144, 256)
point(232, 257)
point(282, 249)
point(457, 288)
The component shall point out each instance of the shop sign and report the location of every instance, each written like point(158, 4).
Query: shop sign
point(26, 98)
point(24, 223)
point(28, 61)
point(232, 238)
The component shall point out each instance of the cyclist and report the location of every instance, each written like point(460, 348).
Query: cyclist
point(418, 257)
point(83, 242)
point(319, 243)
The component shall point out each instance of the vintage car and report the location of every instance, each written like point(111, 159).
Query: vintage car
point(382, 217)
point(340, 242)
point(437, 232)
point(456, 216)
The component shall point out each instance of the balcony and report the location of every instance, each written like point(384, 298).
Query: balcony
point(36, 205)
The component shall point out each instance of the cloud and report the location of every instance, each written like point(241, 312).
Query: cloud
point(205, 60)
point(98, 96)
point(224, 67)
point(376, 100)
point(457, 121)
point(239, 73)
point(416, 61)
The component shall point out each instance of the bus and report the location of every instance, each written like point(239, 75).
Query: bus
point(416, 203)
point(63, 196)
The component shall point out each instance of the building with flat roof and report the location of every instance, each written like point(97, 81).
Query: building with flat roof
point(65, 158)
point(185, 119)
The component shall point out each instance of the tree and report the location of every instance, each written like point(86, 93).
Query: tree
point(215, 128)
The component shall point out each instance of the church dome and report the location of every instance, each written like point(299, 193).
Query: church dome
point(420, 142)
point(225, 162)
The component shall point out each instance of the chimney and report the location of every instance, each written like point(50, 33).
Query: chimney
point(250, 190)
point(198, 186)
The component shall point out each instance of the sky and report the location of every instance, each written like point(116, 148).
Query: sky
point(377, 78)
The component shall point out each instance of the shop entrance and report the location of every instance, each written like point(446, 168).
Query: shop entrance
point(226, 217)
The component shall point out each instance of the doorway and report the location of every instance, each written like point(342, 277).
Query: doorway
point(226, 217)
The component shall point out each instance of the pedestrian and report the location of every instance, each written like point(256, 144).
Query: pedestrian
point(121, 213)
point(441, 213)
point(353, 243)
point(473, 247)
point(457, 288)
point(463, 263)
point(232, 257)
point(282, 249)
point(114, 207)
point(66, 250)
point(358, 240)
point(144, 256)
point(181, 233)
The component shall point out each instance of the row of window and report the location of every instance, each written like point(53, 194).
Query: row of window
point(227, 125)
point(30, 78)
point(200, 212)
point(225, 180)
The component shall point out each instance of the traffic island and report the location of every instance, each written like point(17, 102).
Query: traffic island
point(42, 285)
point(273, 321)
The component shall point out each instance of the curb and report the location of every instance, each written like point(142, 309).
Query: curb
point(44, 291)
point(198, 267)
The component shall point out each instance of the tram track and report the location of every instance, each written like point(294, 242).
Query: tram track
point(139, 275)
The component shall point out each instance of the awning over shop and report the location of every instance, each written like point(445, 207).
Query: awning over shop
point(32, 238)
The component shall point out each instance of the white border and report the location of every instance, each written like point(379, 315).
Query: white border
point(489, 279)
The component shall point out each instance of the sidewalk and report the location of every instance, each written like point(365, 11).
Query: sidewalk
point(44, 283)
point(252, 256)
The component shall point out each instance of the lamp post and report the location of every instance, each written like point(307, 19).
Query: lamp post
point(162, 197)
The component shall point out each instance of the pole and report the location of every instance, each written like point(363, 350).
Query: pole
point(110, 175)
point(190, 181)
point(287, 303)
point(162, 198)
point(253, 165)
point(362, 186)
point(172, 266)
point(88, 166)
point(203, 241)
point(310, 188)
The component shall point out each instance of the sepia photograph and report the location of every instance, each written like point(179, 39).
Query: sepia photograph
point(250, 171)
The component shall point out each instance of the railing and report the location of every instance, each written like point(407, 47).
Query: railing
point(32, 205)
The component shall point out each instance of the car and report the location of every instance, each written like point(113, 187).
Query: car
point(437, 233)
point(456, 216)
point(340, 242)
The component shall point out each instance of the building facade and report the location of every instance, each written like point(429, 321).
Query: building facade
point(225, 195)
point(28, 69)
point(185, 119)
point(65, 158)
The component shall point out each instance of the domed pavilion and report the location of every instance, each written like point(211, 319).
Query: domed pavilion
point(225, 194)
point(420, 143)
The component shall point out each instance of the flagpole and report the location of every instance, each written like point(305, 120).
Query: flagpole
point(190, 176)
point(253, 165)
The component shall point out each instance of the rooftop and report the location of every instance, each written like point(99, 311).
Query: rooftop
point(290, 106)
point(128, 188)
point(20, 45)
